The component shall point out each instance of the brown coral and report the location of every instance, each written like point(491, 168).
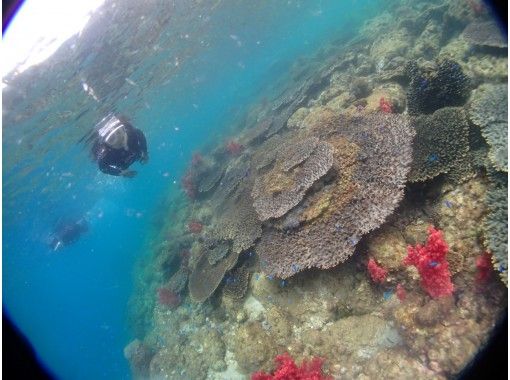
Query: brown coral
point(205, 278)
point(236, 283)
point(279, 190)
point(441, 145)
point(238, 222)
point(364, 194)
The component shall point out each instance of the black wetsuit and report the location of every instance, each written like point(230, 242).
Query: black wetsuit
point(67, 233)
point(115, 161)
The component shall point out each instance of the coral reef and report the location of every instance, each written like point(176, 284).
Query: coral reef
point(485, 33)
point(377, 273)
point(489, 111)
point(238, 222)
point(279, 190)
point(496, 222)
point(206, 278)
point(430, 260)
point(441, 145)
point(236, 283)
point(233, 148)
point(287, 369)
point(169, 298)
point(375, 179)
point(483, 268)
point(365, 194)
point(445, 85)
point(234, 174)
point(179, 279)
point(217, 251)
point(195, 227)
point(139, 357)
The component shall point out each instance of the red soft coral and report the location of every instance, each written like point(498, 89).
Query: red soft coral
point(385, 106)
point(289, 370)
point(196, 159)
point(189, 186)
point(483, 268)
point(234, 148)
point(195, 227)
point(401, 292)
point(430, 260)
point(377, 273)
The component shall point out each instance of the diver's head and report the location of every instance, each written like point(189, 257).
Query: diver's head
point(114, 134)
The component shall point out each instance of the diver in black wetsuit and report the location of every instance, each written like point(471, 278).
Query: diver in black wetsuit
point(116, 144)
point(67, 232)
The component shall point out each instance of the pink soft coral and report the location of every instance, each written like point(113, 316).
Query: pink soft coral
point(288, 370)
point(430, 260)
point(377, 273)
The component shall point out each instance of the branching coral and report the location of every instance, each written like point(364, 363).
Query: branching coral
point(371, 171)
point(430, 260)
point(489, 110)
point(441, 145)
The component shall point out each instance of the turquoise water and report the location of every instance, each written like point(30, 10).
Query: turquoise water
point(72, 304)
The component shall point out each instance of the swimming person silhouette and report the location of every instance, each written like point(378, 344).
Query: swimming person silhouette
point(67, 232)
point(116, 144)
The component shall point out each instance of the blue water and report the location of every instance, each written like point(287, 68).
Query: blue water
point(72, 304)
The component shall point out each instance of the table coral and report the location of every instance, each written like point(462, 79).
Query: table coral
point(278, 191)
point(430, 260)
point(489, 111)
point(365, 192)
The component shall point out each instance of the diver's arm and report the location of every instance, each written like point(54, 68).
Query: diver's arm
point(109, 169)
point(142, 146)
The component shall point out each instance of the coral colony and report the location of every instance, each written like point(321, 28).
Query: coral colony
point(233, 148)
point(167, 297)
point(189, 186)
point(385, 106)
point(288, 370)
point(401, 292)
point(196, 159)
point(430, 260)
point(195, 227)
point(483, 268)
point(377, 273)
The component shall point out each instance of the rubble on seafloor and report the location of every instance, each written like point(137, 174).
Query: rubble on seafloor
point(396, 132)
